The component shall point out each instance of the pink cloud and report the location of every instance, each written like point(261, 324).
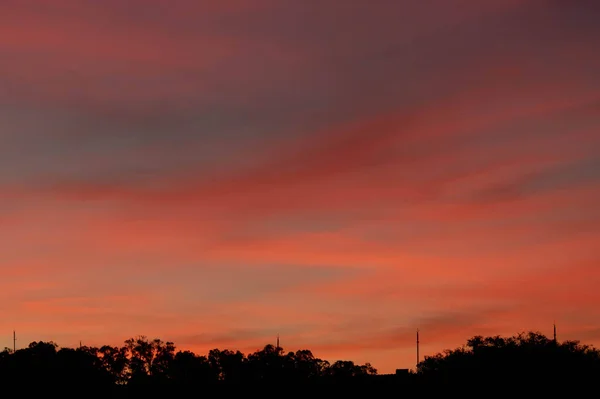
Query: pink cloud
point(342, 191)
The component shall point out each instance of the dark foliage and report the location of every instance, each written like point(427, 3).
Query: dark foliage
point(527, 361)
point(153, 368)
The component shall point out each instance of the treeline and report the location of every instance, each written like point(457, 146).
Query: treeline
point(146, 367)
point(142, 363)
point(524, 360)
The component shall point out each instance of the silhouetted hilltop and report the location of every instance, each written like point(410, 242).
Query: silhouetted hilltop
point(143, 367)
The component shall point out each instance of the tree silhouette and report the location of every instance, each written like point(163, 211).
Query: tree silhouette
point(228, 365)
point(526, 359)
point(189, 369)
point(148, 360)
point(151, 368)
point(114, 360)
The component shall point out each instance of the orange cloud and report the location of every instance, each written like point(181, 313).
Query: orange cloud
point(218, 174)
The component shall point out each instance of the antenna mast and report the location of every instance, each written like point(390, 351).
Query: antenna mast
point(14, 341)
point(418, 358)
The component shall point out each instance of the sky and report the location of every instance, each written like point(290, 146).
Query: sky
point(340, 173)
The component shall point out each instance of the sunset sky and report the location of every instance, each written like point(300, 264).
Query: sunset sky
point(337, 172)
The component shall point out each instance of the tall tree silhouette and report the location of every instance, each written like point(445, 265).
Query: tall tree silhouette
point(148, 359)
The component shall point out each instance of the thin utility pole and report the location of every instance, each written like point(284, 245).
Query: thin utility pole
point(14, 341)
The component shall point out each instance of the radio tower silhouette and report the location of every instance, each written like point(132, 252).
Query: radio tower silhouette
point(14, 341)
point(418, 358)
